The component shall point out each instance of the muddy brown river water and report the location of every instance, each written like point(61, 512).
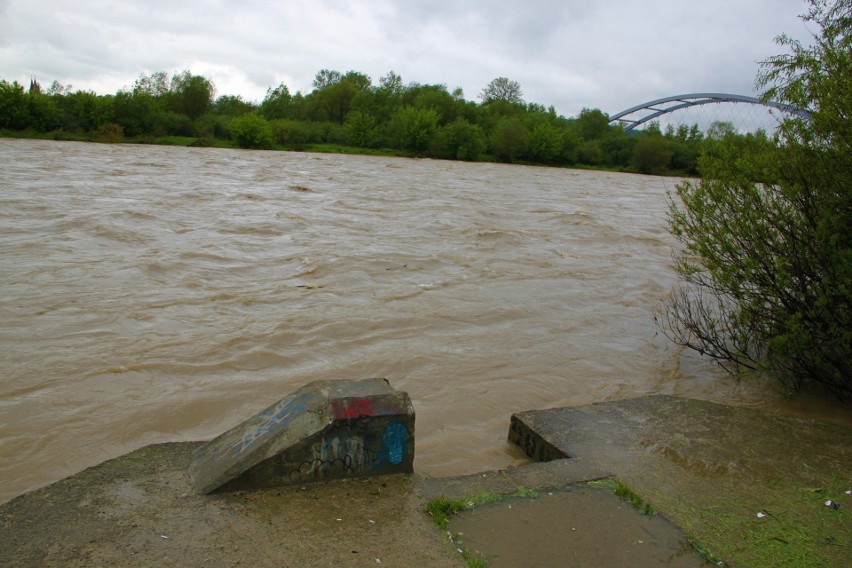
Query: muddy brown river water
point(152, 294)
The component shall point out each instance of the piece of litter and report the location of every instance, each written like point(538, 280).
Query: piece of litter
point(460, 551)
point(761, 515)
point(372, 522)
point(831, 504)
point(338, 519)
point(163, 536)
point(849, 492)
point(378, 561)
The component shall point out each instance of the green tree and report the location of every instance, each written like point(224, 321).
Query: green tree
point(325, 78)
point(509, 139)
point(277, 103)
point(502, 89)
point(766, 266)
point(157, 84)
point(652, 154)
point(231, 105)
point(590, 153)
point(84, 110)
point(14, 109)
point(718, 129)
point(136, 111)
point(251, 131)
point(413, 128)
point(592, 124)
point(438, 99)
point(333, 100)
point(544, 143)
point(362, 129)
point(461, 140)
point(192, 95)
point(45, 114)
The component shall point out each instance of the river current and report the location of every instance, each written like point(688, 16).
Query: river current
point(152, 294)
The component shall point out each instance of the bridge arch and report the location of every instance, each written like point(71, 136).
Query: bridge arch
point(652, 109)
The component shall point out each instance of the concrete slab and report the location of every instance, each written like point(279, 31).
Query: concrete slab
point(711, 468)
point(325, 430)
point(140, 510)
point(707, 467)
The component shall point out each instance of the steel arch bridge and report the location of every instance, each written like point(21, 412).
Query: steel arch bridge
point(652, 109)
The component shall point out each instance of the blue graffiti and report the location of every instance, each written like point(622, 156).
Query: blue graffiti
point(273, 419)
point(395, 442)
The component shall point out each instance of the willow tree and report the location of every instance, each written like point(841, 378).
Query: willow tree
point(766, 261)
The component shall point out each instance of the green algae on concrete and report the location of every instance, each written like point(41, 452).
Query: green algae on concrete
point(748, 487)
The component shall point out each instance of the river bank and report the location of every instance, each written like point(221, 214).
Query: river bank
point(748, 488)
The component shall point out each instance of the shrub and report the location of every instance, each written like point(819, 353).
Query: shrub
point(251, 131)
point(766, 267)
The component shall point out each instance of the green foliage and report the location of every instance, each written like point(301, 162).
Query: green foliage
point(229, 105)
point(44, 112)
point(345, 110)
point(592, 124)
point(544, 143)
point(461, 140)
point(766, 267)
point(437, 98)
point(277, 103)
point(509, 139)
point(413, 128)
point(652, 154)
point(502, 89)
point(442, 509)
point(192, 95)
point(590, 153)
point(294, 133)
point(14, 111)
point(135, 111)
point(84, 110)
point(251, 131)
point(362, 129)
point(625, 493)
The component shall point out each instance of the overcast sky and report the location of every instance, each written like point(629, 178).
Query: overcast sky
point(607, 54)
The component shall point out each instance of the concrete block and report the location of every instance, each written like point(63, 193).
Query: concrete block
point(324, 430)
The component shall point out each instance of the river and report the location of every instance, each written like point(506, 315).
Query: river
point(152, 294)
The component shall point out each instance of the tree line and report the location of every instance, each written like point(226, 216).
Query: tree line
point(348, 109)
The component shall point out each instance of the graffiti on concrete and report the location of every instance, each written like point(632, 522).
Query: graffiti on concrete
point(395, 442)
point(273, 419)
point(346, 452)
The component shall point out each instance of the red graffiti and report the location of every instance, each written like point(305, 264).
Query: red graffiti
point(345, 409)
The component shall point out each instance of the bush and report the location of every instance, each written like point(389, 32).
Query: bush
point(251, 131)
point(766, 268)
point(298, 133)
point(362, 130)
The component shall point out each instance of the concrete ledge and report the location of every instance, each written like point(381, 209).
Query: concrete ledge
point(325, 430)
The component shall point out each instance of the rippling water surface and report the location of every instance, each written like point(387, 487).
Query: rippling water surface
point(152, 294)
